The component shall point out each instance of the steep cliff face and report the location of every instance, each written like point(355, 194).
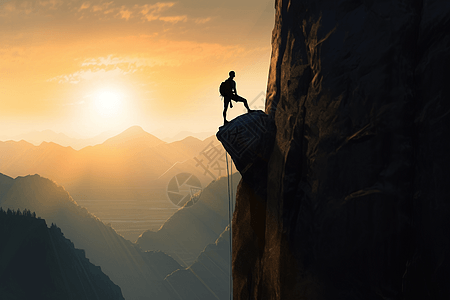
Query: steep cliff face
point(357, 203)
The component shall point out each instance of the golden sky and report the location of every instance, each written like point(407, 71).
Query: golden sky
point(85, 67)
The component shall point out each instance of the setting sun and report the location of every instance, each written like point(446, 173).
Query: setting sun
point(107, 103)
point(108, 119)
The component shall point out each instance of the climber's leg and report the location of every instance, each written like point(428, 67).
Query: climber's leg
point(238, 98)
point(226, 100)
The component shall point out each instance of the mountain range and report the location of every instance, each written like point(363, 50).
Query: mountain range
point(190, 229)
point(199, 230)
point(130, 165)
point(37, 262)
point(184, 134)
point(38, 137)
point(209, 276)
point(139, 274)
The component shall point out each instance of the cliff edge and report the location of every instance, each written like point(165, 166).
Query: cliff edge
point(355, 199)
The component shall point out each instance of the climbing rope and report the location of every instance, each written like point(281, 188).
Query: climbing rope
point(231, 188)
point(230, 207)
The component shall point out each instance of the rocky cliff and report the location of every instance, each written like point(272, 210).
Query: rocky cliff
point(357, 184)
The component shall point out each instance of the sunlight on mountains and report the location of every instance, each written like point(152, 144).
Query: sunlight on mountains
point(108, 116)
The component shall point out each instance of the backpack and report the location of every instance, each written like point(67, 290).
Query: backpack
point(225, 88)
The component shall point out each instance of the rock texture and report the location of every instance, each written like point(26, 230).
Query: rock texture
point(248, 138)
point(357, 193)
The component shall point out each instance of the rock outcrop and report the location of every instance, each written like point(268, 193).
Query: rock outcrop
point(357, 184)
point(248, 138)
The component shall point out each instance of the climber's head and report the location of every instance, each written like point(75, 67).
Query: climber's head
point(232, 74)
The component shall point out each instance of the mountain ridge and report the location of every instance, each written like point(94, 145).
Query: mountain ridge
point(40, 263)
point(131, 159)
point(190, 229)
point(37, 137)
point(135, 134)
point(138, 273)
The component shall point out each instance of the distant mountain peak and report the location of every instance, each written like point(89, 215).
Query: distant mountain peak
point(133, 133)
point(135, 130)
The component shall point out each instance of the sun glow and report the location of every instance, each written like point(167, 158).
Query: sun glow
point(108, 103)
point(108, 108)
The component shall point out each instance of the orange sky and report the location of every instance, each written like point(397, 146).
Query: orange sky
point(84, 67)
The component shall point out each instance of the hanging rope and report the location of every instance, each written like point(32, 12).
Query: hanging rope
point(231, 188)
point(230, 207)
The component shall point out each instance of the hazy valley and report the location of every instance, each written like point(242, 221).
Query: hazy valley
point(179, 248)
point(124, 180)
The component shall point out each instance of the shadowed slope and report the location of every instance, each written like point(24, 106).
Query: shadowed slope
point(209, 276)
point(192, 228)
point(138, 274)
point(37, 262)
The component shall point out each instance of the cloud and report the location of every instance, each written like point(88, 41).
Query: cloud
point(153, 12)
point(202, 20)
point(146, 12)
point(125, 13)
point(174, 19)
point(155, 8)
point(9, 7)
point(51, 4)
point(84, 6)
point(164, 12)
point(88, 75)
point(102, 7)
point(28, 7)
point(126, 63)
point(153, 53)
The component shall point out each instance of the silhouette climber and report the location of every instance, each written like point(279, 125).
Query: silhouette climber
point(229, 92)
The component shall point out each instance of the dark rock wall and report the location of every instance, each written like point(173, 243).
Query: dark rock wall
point(357, 184)
point(429, 273)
